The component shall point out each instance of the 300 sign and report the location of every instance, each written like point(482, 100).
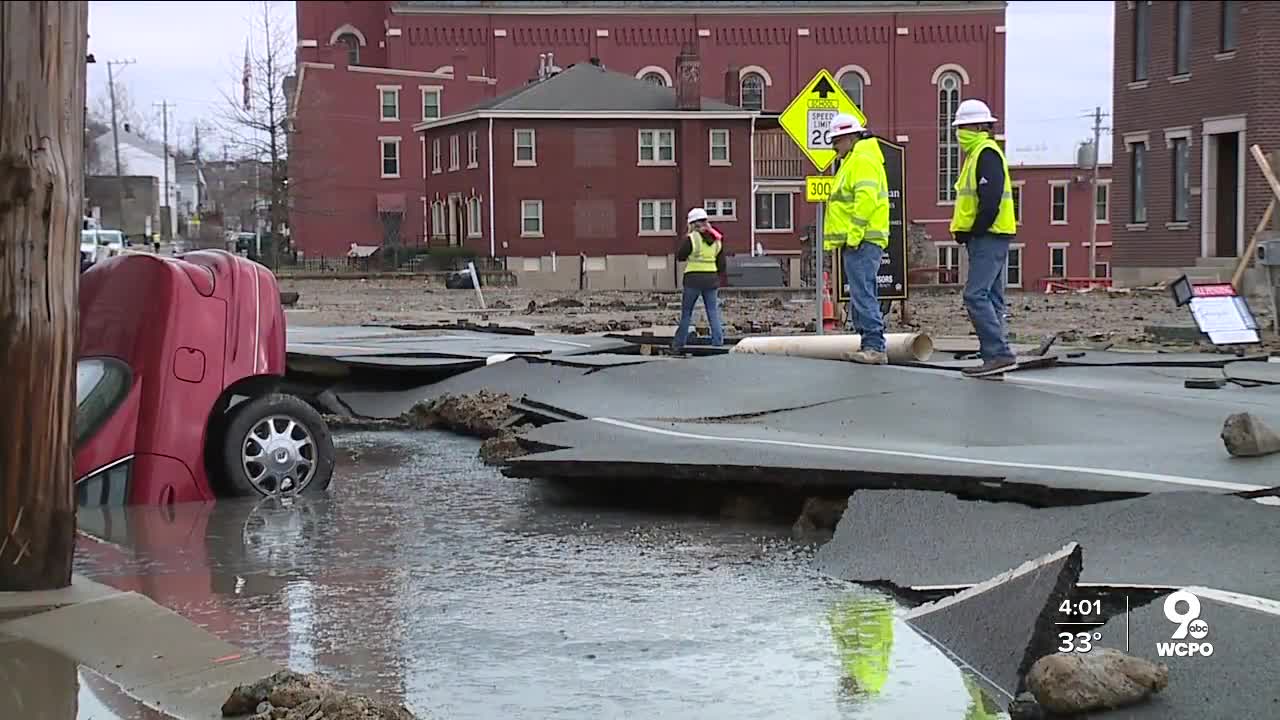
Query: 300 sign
point(818, 188)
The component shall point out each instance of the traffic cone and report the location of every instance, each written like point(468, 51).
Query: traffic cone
point(828, 308)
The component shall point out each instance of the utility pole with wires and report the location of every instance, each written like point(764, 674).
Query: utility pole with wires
point(115, 134)
point(1093, 213)
point(166, 225)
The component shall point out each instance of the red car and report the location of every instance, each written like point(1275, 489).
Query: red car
point(177, 385)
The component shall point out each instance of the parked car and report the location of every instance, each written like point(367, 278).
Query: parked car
point(178, 385)
point(110, 243)
point(88, 250)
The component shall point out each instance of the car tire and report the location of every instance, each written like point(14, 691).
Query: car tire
point(273, 444)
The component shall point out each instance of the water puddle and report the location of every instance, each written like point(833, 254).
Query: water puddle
point(37, 683)
point(433, 580)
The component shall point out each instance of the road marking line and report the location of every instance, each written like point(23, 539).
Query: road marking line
point(1129, 474)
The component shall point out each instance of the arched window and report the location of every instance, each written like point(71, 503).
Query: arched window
point(353, 47)
point(752, 92)
point(851, 82)
point(949, 84)
point(655, 78)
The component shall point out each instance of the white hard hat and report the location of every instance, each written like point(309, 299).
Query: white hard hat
point(973, 112)
point(843, 124)
point(697, 214)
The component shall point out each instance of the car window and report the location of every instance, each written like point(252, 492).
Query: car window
point(101, 385)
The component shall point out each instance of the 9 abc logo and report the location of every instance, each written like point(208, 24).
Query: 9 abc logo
point(1189, 623)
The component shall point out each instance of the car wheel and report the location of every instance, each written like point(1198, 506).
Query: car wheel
point(276, 444)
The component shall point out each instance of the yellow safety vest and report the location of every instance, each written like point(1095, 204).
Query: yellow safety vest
point(703, 256)
point(863, 631)
point(858, 208)
point(966, 208)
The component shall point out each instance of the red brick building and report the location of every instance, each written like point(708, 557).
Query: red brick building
point(589, 171)
point(1196, 84)
point(368, 72)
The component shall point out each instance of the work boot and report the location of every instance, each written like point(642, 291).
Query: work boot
point(994, 366)
point(869, 357)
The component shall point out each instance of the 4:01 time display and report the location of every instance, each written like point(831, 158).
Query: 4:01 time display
point(1081, 607)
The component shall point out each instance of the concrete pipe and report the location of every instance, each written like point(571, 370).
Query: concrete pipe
point(902, 347)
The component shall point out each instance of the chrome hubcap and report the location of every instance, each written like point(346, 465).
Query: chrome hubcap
point(278, 456)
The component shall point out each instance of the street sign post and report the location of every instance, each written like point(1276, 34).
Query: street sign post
point(891, 281)
point(807, 121)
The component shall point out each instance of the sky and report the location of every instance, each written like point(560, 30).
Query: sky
point(1058, 59)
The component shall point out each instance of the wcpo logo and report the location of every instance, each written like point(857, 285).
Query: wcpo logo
point(1191, 631)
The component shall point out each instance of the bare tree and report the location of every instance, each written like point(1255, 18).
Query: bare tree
point(140, 123)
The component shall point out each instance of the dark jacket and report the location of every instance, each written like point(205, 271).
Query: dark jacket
point(991, 191)
point(700, 280)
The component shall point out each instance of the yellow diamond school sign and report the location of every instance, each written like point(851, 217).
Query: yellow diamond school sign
point(807, 120)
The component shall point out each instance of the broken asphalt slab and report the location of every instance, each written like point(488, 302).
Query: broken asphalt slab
point(350, 343)
point(996, 630)
point(928, 540)
point(1117, 358)
point(894, 427)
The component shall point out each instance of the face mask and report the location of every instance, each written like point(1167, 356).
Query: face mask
point(969, 139)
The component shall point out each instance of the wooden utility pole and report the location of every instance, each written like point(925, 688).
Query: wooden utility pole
point(42, 88)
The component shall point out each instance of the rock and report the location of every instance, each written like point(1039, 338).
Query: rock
point(245, 699)
point(502, 447)
point(1247, 436)
point(481, 414)
point(293, 696)
point(1103, 679)
point(1025, 707)
point(819, 514)
point(345, 706)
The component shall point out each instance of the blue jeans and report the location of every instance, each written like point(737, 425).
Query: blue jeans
point(710, 303)
point(984, 293)
point(861, 265)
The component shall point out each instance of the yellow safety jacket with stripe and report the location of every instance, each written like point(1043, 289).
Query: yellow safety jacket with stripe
point(702, 256)
point(966, 208)
point(858, 208)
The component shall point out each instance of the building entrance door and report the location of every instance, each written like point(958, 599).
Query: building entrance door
point(1227, 194)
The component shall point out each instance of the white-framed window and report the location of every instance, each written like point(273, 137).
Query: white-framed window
point(1057, 260)
point(390, 154)
point(1102, 201)
point(657, 147)
point(437, 155)
point(474, 216)
point(719, 142)
point(455, 153)
point(949, 264)
point(773, 211)
point(1013, 267)
point(431, 101)
point(473, 149)
point(389, 99)
point(657, 217)
point(531, 218)
point(437, 219)
point(1058, 202)
point(1181, 161)
point(1017, 200)
point(751, 87)
point(526, 152)
point(949, 84)
point(1137, 147)
point(854, 86)
point(721, 208)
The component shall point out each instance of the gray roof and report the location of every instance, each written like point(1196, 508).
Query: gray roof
point(589, 88)
point(139, 142)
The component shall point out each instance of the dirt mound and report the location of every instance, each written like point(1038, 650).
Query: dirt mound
point(503, 446)
point(481, 414)
point(288, 695)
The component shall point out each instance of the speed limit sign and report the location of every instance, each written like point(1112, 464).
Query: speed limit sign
point(819, 127)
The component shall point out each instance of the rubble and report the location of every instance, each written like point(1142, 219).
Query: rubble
point(1246, 436)
point(346, 422)
point(503, 446)
point(1101, 679)
point(480, 414)
point(288, 695)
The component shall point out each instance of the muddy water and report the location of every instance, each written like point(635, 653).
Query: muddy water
point(429, 578)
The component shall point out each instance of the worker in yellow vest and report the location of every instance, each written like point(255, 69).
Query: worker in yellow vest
point(700, 249)
point(984, 221)
point(857, 223)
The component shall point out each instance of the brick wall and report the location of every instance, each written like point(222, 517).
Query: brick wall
point(1220, 84)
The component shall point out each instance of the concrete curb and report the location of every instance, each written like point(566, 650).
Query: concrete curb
point(151, 653)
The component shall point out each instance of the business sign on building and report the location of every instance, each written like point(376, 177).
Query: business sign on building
point(891, 281)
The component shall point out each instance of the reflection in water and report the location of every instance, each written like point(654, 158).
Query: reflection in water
point(37, 683)
point(433, 580)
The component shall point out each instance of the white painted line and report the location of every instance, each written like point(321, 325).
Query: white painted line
point(1249, 602)
point(997, 581)
point(1129, 474)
